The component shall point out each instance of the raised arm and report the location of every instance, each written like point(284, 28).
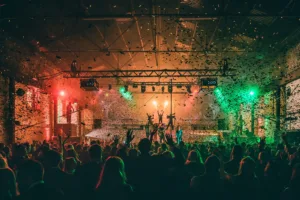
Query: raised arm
point(129, 137)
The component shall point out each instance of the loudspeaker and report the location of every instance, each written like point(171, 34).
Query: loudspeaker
point(97, 123)
point(222, 124)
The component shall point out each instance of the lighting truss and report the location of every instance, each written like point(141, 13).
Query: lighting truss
point(164, 83)
point(166, 73)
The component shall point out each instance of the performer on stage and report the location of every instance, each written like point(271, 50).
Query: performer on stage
point(160, 116)
point(161, 132)
point(171, 117)
point(150, 119)
point(178, 134)
point(70, 110)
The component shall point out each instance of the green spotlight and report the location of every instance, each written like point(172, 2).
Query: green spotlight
point(251, 93)
point(122, 90)
point(127, 95)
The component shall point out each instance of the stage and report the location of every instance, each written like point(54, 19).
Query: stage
point(189, 136)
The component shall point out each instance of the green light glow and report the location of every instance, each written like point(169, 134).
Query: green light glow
point(127, 95)
point(221, 99)
point(231, 98)
point(122, 90)
point(251, 95)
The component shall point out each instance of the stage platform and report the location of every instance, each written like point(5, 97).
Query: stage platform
point(202, 136)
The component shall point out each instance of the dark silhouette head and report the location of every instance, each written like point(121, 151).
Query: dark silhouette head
point(113, 173)
point(247, 167)
point(72, 153)
point(212, 165)
point(20, 151)
point(133, 153)
point(272, 169)
point(52, 158)
point(237, 152)
point(122, 153)
point(194, 156)
point(144, 146)
point(70, 165)
point(29, 172)
point(263, 157)
point(95, 152)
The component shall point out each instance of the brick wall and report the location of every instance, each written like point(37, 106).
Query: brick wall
point(88, 120)
point(33, 121)
point(32, 115)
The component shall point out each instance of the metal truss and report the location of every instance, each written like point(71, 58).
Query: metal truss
point(162, 83)
point(166, 73)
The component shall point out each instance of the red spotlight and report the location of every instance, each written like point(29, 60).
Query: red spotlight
point(62, 93)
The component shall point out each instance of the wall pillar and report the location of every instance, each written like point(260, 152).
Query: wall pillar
point(79, 123)
point(10, 123)
point(55, 116)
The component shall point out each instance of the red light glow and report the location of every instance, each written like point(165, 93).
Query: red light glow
point(62, 93)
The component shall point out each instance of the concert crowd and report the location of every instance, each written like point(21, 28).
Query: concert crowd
point(235, 170)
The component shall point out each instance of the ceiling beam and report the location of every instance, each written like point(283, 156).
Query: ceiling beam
point(132, 16)
point(166, 73)
point(150, 51)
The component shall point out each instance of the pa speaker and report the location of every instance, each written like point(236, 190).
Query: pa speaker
point(97, 123)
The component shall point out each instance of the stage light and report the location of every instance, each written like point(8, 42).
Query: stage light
point(122, 90)
point(154, 103)
point(195, 89)
point(109, 86)
point(188, 89)
point(143, 88)
point(125, 88)
point(62, 93)
point(153, 89)
point(163, 89)
point(166, 104)
point(251, 93)
point(179, 86)
point(170, 88)
point(135, 85)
